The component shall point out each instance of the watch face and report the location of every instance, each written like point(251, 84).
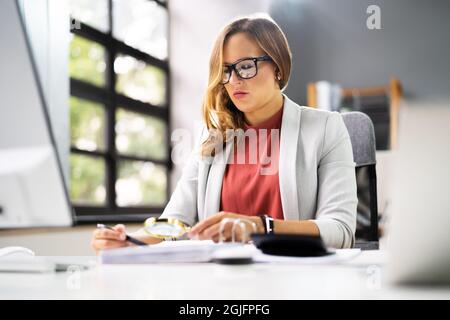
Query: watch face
point(269, 223)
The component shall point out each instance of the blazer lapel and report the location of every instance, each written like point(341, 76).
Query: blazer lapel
point(287, 170)
point(214, 182)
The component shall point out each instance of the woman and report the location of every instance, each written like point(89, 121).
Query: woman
point(309, 186)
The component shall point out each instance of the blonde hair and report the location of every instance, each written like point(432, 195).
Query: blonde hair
point(219, 112)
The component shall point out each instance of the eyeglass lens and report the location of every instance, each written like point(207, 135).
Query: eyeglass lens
point(245, 69)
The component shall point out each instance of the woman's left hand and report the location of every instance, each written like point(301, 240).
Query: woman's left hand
point(209, 229)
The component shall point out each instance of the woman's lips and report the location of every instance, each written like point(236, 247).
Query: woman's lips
point(240, 94)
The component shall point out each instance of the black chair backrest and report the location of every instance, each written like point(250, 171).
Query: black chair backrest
point(362, 136)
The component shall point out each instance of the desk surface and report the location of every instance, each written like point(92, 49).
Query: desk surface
point(362, 278)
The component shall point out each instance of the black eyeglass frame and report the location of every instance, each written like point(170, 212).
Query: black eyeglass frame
point(255, 60)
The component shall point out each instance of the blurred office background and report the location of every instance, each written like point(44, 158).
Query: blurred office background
point(123, 74)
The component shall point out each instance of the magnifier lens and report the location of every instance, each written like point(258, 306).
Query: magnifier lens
point(165, 228)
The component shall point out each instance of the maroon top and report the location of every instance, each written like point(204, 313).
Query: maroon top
point(245, 188)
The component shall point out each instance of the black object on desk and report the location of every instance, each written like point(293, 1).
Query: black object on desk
point(290, 245)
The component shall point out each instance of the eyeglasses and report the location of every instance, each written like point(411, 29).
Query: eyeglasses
point(245, 68)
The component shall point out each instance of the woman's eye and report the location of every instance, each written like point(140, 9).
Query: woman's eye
point(246, 66)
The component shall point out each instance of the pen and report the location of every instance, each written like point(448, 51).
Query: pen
point(127, 237)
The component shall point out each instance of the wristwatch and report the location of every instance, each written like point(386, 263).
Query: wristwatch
point(267, 222)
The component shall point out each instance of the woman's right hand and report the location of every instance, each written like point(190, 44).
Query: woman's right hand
point(104, 239)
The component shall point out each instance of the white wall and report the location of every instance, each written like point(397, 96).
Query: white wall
point(194, 27)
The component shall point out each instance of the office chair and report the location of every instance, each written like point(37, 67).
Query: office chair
point(362, 136)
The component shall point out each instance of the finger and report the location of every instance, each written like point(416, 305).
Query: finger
point(210, 232)
point(108, 234)
point(224, 237)
point(104, 234)
point(202, 225)
point(199, 227)
point(213, 233)
point(121, 229)
point(240, 233)
point(227, 234)
point(216, 239)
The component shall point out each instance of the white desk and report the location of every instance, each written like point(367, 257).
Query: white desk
point(362, 278)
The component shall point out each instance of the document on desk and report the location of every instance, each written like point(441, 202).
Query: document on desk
point(164, 252)
point(186, 251)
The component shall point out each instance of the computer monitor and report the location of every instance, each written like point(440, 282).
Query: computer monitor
point(419, 215)
point(32, 189)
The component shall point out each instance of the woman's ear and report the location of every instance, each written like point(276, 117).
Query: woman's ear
point(277, 74)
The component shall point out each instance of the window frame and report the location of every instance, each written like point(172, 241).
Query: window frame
point(112, 101)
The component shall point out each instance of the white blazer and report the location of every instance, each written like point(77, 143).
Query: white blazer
point(316, 175)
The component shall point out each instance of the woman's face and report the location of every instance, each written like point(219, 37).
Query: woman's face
point(249, 95)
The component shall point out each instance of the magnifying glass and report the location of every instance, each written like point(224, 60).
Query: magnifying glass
point(165, 228)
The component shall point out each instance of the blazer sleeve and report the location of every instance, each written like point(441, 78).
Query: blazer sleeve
point(337, 197)
point(183, 201)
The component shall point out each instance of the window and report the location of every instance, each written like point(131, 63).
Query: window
point(119, 109)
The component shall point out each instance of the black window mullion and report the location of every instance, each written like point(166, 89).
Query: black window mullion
point(99, 154)
point(169, 103)
point(142, 159)
point(141, 107)
point(104, 39)
point(111, 119)
point(140, 55)
point(88, 91)
point(91, 33)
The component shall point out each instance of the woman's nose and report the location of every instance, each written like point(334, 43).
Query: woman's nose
point(234, 78)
